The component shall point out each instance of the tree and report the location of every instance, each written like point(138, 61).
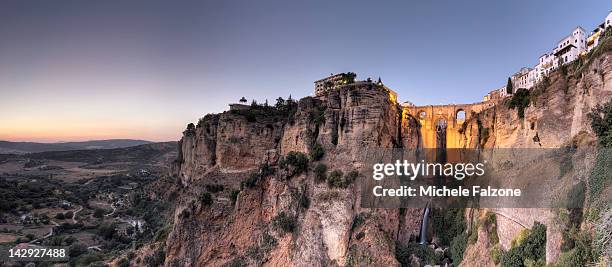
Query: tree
point(509, 88)
point(280, 103)
point(316, 152)
point(349, 77)
point(520, 100)
point(243, 100)
point(98, 213)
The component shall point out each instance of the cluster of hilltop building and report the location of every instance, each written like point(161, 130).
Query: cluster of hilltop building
point(568, 49)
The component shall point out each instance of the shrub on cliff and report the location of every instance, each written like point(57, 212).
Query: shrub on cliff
point(156, 259)
point(520, 100)
point(532, 249)
point(265, 170)
point(297, 160)
point(601, 123)
point(320, 172)
point(234, 196)
point(206, 198)
point(457, 248)
point(317, 152)
point(350, 177)
point(447, 224)
point(335, 179)
point(250, 181)
point(284, 222)
point(404, 253)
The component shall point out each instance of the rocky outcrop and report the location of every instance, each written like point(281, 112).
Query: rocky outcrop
point(330, 228)
point(556, 117)
point(278, 219)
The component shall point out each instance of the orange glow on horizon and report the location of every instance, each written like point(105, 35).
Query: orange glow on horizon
point(47, 131)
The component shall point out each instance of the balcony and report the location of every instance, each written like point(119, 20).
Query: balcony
point(564, 49)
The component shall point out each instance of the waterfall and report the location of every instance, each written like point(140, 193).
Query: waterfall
point(424, 222)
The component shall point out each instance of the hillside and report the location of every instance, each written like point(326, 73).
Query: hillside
point(7, 147)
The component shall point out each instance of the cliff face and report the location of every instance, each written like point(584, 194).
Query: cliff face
point(556, 117)
point(326, 225)
point(558, 111)
point(330, 228)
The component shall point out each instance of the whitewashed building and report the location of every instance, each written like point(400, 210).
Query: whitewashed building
point(545, 66)
point(570, 47)
point(521, 79)
point(593, 39)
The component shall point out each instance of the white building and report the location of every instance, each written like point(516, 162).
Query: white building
point(545, 66)
point(570, 47)
point(521, 79)
point(593, 39)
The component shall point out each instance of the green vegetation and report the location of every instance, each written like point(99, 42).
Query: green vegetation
point(250, 181)
point(496, 254)
point(89, 259)
point(457, 248)
point(156, 259)
point(317, 115)
point(98, 213)
point(284, 222)
point(266, 244)
point(447, 224)
point(604, 46)
point(18, 196)
point(491, 224)
point(317, 152)
point(349, 77)
point(234, 196)
point(320, 172)
point(214, 188)
point(304, 200)
point(509, 89)
point(334, 137)
point(520, 100)
point(283, 111)
point(531, 250)
point(123, 262)
point(601, 123)
point(600, 178)
point(337, 178)
point(403, 253)
point(297, 160)
point(206, 198)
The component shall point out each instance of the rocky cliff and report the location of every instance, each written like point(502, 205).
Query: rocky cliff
point(274, 211)
point(326, 223)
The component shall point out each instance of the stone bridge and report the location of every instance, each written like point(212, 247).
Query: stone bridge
point(440, 124)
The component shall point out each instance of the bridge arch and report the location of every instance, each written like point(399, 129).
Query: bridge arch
point(453, 115)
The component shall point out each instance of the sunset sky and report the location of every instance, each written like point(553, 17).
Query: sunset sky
point(81, 70)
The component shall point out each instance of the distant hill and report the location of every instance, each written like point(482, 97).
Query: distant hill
point(7, 147)
point(152, 152)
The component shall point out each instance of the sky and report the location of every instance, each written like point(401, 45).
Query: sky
point(83, 70)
